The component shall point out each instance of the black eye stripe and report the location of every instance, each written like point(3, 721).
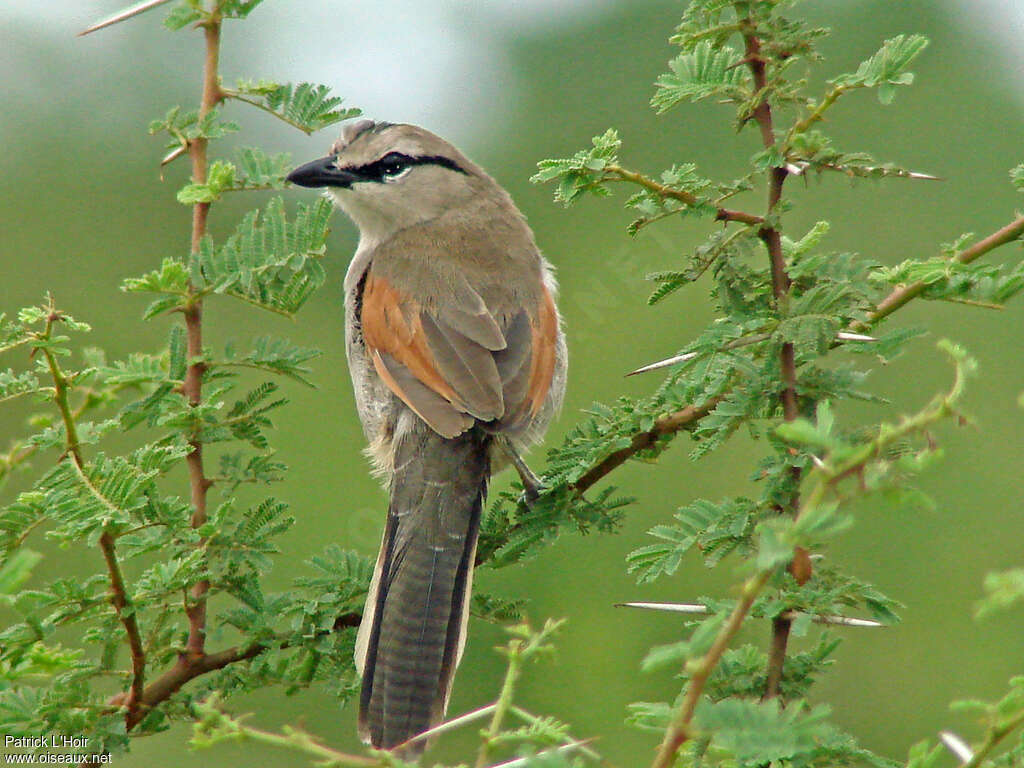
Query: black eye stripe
point(394, 162)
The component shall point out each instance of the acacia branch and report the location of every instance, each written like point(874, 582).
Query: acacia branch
point(904, 294)
point(829, 475)
point(188, 668)
point(118, 594)
point(687, 198)
point(780, 287)
point(192, 386)
point(641, 441)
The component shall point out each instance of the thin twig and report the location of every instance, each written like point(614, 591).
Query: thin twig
point(501, 706)
point(993, 738)
point(701, 609)
point(291, 739)
point(238, 96)
point(828, 476)
point(187, 669)
point(679, 729)
point(519, 762)
point(528, 717)
point(118, 593)
point(448, 725)
point(687, 198)
point(817, 113)
point(904, 294)
point(666, 425)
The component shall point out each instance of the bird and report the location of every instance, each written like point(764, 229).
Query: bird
point(458, 362)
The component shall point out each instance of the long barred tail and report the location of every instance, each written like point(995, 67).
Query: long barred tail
point(414, 624)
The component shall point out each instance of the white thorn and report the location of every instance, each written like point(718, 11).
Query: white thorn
point(843, 621)
point(664, 363)
point(925, 176)
point(817, 462)
point(524, 760)
point(173, 155)
point(699, 608)
point(796, 169)
point(127, 13)
point(846, 336)
point(673, 607)
point(957, 746)
point(469, 717)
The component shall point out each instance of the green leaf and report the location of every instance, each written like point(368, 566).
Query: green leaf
point(1001, 591)
point(269, 261)
point(762, 732)
point(1017, 177)
point(182, 15)
point(176, 349)
point(172, 278)
point(584, 171)
point(307, 106)
point(273, 355)
point(887, 68)
point(16, 569)
point(496, 609)
point(14, 385)
point(706, 71)
point(258, 170)
point(649, 715)
point(676, 654)
point(220, 178)
point(238, 9)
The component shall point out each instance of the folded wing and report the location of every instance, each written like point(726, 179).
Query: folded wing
point(457, 366)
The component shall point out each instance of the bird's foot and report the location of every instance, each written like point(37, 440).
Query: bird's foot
point(532, 485)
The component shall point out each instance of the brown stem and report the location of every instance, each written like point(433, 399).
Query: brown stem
point(666, 425)
point(198, 482)
point(781, 283)
point(193, 384)
point(781, 626)
point(186, 668)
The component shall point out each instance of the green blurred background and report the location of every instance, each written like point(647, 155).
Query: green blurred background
point(83, 205)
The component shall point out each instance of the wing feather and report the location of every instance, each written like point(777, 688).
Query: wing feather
point(460, 364)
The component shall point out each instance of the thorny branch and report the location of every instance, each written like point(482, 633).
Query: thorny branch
point(828, 474)
point(772, 238)
point(722, 214)
point(193, 312)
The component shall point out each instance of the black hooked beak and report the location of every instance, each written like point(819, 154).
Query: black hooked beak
point(323, 173)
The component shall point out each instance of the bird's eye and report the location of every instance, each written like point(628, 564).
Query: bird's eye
point(394, 165)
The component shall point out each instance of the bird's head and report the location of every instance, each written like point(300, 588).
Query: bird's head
point(389, 176)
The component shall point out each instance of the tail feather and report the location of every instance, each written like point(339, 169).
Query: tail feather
point(413, 627)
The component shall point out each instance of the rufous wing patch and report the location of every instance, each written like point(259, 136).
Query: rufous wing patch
point(386, 329)
point(544, 339)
